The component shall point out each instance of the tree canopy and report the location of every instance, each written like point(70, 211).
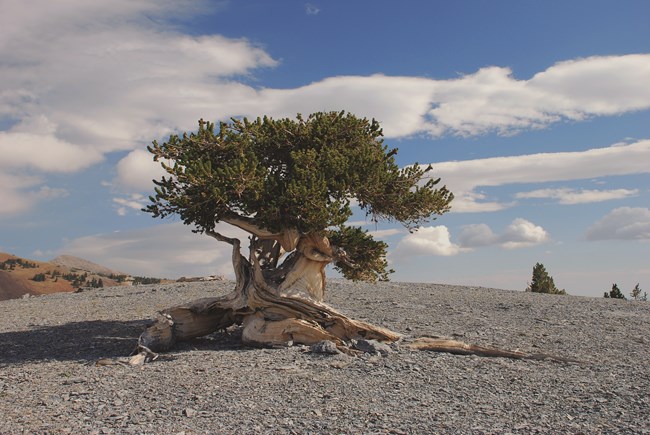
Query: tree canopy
point(542, 282)
point(300, 175)
point(615, 293)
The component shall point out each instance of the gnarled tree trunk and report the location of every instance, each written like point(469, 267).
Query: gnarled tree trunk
point(274, 304)
point(281, 304)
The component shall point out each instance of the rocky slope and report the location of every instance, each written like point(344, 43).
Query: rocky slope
point(49, 382)
point(76, 263)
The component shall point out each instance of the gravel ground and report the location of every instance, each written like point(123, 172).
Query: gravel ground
point(50, 384)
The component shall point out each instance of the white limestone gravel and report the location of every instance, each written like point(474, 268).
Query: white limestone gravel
point(50, 384)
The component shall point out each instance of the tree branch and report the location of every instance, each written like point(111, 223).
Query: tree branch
point(287, 238)
point(222, 238)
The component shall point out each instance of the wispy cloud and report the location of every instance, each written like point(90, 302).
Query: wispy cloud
point(623, 223)
point(168, 250)
point(489, 100)
point(311, 9)
point(573, 196)
point(464, 177)
point(133, 202)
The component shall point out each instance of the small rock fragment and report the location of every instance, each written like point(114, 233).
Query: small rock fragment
point(325, 347)
point(372, 346)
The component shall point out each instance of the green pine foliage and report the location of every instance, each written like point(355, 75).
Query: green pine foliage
point(615, 293)
point(12, 263)
point(39, 277)
point(137, 280)
point(300, 174)
point(542, 282)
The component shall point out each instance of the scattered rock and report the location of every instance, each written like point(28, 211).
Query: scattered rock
point(372, 346)
point(325, 347)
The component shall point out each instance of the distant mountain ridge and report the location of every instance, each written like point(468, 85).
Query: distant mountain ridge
point(65, 273)
point(72, 262)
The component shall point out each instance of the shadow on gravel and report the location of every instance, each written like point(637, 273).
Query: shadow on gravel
point(93, 340)
point(79, 341)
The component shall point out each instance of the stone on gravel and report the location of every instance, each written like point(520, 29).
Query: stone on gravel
point(326, 347)
point(372, 346)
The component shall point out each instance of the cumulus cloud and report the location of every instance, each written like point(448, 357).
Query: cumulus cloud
point(165, 251)
point(136, 171)
point(464, 177)
point(477, 235)
point(572, 196)
point(520, 233)
point(623, 223)
point(433, 240)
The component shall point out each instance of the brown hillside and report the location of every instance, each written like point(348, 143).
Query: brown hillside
point(12, 286)
point(17, 277)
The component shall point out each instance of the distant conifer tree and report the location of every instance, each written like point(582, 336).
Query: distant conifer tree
point(615, 293)
point(636, 292)
point(542, 282)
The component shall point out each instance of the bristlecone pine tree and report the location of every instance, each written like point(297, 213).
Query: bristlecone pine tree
point(542, 282)
point(289, 184)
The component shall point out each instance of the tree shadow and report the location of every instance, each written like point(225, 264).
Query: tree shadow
point(92, 340)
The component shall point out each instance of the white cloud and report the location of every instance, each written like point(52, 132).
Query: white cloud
point(477, 235)
point(311, 9)
point(33, 144)
point(136, 171)
point(88, 78)
point(489, 100)
point(623, 223)
point(379, 234)
point(572, 196)
point(164, 251)
point(464, 177)
point(434, 240)
point(520, 233)
point(109, 76)
point(134, 202)
point(492, 100)
point(20, 193)
point(13, 201)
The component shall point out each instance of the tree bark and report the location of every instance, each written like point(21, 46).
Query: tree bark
point(278, 305)
point(275, 306)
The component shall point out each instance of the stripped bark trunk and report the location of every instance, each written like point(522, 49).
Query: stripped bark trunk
point(277, 305)
point(280, 306)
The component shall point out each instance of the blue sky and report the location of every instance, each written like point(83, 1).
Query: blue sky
point(535, 114)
